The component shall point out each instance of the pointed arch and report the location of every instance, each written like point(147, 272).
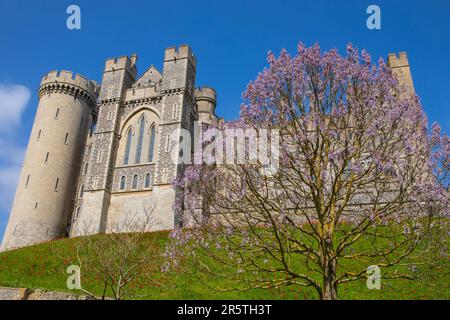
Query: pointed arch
point(135, 182)
point(148, 181)
point(151, 145)
point(140, 139)
point(128, 146)
point(122, 183)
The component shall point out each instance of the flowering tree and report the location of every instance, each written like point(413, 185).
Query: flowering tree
point(358, 180)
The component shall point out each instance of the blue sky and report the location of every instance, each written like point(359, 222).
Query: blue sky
point(229, 38)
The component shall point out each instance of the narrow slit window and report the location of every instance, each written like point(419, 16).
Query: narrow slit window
point(168, 143)
point(28, 181)
point(122, 183)
point(46, 157)
point(100, 156)
point(148, 180)
point(135, 182)
point(82, 191)
point(57, 114)
point(56, 184)
point(86, 167)
point(174, 111)
point(66, 139)
point(39, 134)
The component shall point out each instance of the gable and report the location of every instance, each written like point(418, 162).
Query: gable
point(150, 78)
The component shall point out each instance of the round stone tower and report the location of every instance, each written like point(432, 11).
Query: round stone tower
point(45, 191)
point(206, 103)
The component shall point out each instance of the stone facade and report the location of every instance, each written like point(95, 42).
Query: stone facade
point(117, 158)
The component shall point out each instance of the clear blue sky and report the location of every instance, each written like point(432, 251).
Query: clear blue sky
point(229, 38)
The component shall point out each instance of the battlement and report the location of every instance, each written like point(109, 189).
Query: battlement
point(182, 52)
point(122, 62)
point(205, 93)
point(400, 60)
point(141, 93)
point(70, 78)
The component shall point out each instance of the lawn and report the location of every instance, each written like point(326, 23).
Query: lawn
point(43, 266)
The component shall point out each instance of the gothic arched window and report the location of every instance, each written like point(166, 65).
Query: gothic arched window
point(148, 180)
point(151, 147)
point(140, 139)
point(122, 183)
point(135, 182)
point(128, 146)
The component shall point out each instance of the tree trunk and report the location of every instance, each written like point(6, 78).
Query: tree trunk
point(329, 291)
point(329, 265)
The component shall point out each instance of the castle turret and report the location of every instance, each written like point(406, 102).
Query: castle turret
point(206, 104)
point(118, 76)
point(46, 187)
point(400, 68)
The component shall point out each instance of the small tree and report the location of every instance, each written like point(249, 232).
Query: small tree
point(357, 180)
point(119, 259)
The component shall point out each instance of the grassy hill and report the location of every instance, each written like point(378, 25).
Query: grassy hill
point(43, 266)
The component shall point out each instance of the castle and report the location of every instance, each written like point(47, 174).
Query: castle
point(97, 152)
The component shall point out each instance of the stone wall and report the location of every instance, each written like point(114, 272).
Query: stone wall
point(28, 294)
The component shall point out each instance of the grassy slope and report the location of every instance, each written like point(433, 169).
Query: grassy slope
point(39, 267)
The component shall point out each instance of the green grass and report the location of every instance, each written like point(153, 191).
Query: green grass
point(39, 267)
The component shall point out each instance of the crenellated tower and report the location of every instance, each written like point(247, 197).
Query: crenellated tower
point(399, 65)
point(118, 76)
point(43, 200)
point(178, 112)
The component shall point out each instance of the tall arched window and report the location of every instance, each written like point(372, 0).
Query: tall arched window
point(128, 146)
point(135, 182)
point(122, 183)
point(140, 139)
point(148, 180)
point(82, 191)
point(152, 143)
